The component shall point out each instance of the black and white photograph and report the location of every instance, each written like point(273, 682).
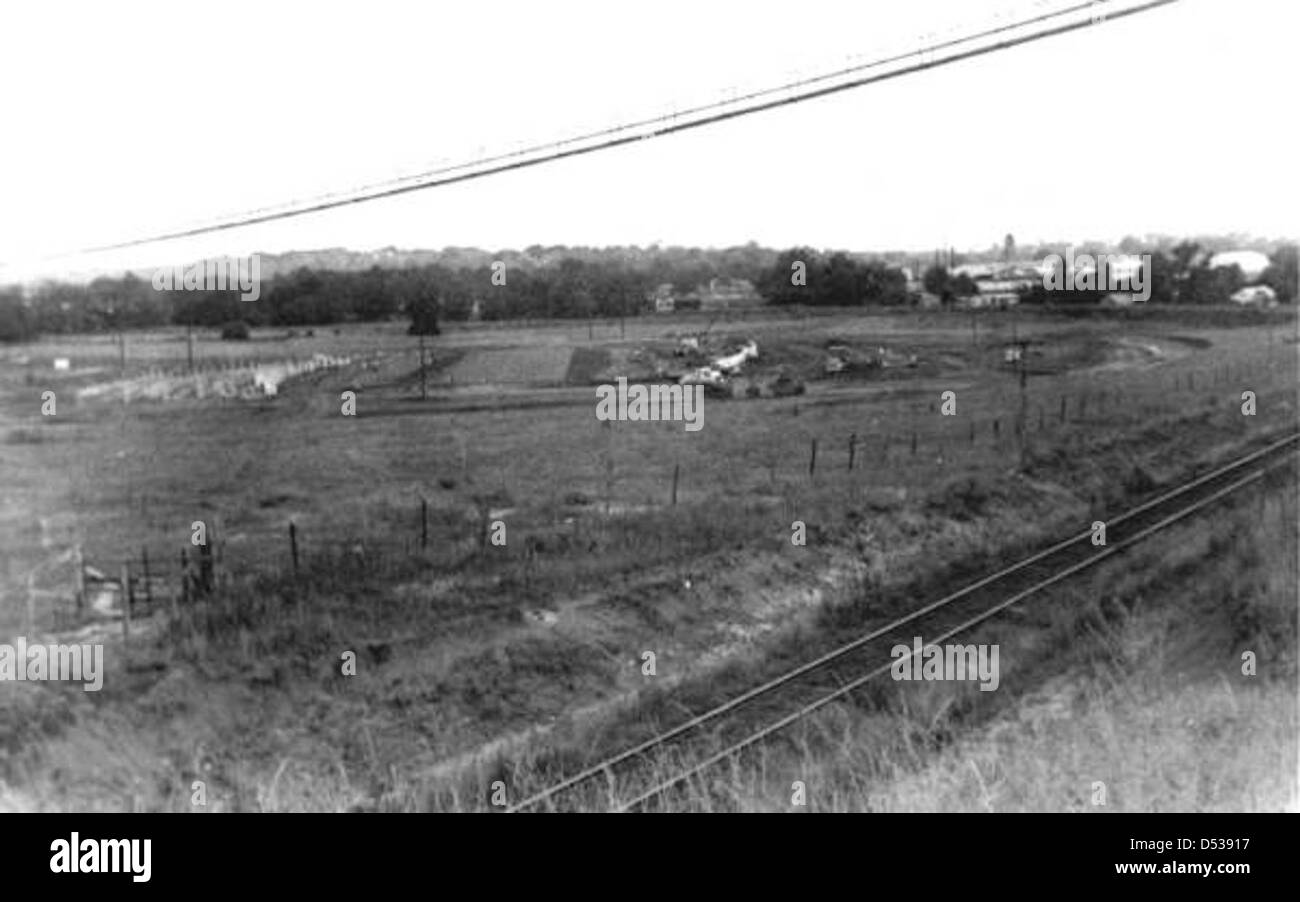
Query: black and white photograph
point(443, 410)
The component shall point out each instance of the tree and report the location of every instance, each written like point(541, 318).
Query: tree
point(1211, 286)
point(841, 284)
point(938, 281)
point(16, 321)
point(883, 284)
point(935, 281)
point(1159, 274)
point(1283, 272)
point(367, 299)
point(963, 286)
point(776, 285)
point(1184, 257)
point(424, 316)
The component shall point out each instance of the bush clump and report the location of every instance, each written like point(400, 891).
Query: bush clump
point(235, 331)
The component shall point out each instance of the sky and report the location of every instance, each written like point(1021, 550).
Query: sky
point(127, 119)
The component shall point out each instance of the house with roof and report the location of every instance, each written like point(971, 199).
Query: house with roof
point(726, 294)
point(1251, 263)
point(1000, 292)
point(1255, 295)
point(662, 298)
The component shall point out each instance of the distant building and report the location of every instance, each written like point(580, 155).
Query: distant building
point(1001, 271)
point(1252, 263)
point(663, 299)
point(1260, 295)
point(976, 271)
point(999, 292)
point(723, 294)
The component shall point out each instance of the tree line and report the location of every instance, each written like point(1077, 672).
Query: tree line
point(571, 288)
point(1182, 275)
point(588, 283)
point(805, 276)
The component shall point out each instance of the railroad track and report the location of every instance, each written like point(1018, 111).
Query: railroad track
point(753, 716)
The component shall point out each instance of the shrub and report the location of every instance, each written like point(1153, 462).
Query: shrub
point(1139, 482)
point(235, 331)
point(963, 500)
point(784, 386)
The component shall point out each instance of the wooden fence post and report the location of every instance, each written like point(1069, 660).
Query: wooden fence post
point(171, 596)
point(293, 545)
point(130, 589)
point(203, 580)
point(812, 460)
point(424, 523)
point(853, 447)
point(79, 561)
point(31, 607)
point(214, 541)
point(148, 589)
point(126, 604)
point(676, 471)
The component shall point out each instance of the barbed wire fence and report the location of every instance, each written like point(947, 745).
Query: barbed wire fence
point(65, 590)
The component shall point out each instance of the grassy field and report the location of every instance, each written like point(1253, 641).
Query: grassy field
point(1126, 693)
point(468, 650)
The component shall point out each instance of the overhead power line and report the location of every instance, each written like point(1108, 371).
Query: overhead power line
point(986, 41)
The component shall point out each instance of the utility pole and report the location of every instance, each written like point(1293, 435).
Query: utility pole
point(121, 359)
point(1023, 346)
